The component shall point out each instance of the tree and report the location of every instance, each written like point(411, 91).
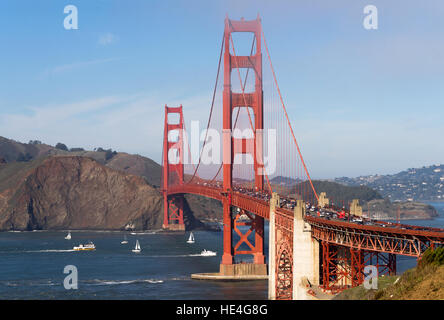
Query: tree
point(109, 154)
point(61, 146)
point(23, 157)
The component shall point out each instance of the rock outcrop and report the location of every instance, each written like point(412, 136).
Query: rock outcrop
point(75, 192)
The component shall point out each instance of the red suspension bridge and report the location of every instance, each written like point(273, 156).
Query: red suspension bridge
point(263, 176)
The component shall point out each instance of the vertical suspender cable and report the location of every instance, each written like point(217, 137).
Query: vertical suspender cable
point(288, 120)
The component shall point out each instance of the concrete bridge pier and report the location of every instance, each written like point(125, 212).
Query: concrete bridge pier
point(305, 255)
point(274, 203)
point(293, 254)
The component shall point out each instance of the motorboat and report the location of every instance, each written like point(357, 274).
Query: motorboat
point(207, 253)
point(85, 247)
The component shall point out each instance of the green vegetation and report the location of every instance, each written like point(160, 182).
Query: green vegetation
point(34, 142)
point(61, 146)
point(339, 193)
point(432, 257)
point(23, 157)
point(361, 293)
point(426, 281)
point(109, 154)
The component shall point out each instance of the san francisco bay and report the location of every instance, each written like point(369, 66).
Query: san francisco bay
point(32, 265)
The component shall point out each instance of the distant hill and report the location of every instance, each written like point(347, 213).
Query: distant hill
point(420, 184)
point(372, 202)
point(338, 193)
point(14, 151)
point(20, 161)
point(283, 181)
point(15, 172)
point(384, 209)
point(75, 192)
point(11, 150)
point(72, 192)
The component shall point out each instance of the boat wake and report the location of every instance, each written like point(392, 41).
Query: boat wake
point(117, 282)
point(25, 283)
point(51, 250)
point(178, 255)
point(142, 233)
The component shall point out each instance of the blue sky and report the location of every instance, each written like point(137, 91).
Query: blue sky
point(373, 99)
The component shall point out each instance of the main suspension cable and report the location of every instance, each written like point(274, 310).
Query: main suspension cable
point(288, 120)
point(212, 106)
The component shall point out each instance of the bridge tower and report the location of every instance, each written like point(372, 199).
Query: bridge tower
point(173, 170)
point(232, 146)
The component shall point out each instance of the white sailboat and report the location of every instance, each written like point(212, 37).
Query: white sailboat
point(137, 248)
point(124, 241)
point(68, 236)
point(191, 238)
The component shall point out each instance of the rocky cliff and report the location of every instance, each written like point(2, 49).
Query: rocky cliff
point(75, 192)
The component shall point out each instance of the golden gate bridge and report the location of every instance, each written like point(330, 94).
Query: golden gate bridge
point(311, 241)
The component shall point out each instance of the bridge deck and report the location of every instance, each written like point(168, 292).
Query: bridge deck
point(376, 235)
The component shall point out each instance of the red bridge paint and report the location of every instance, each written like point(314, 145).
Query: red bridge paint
point(339, 240)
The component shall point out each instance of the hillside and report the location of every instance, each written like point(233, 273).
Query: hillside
point(420, 184)
point(78, 193)
point(14, 151)
point(20, 159)
point(383, 209)
point(14, 170)
point(371, 201)
point(425, 282)
point(11, 150)
point(73, 192)
point(340, 194)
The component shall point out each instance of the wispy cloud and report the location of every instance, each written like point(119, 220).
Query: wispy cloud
point(128, 123)
point(107, 38)
point(74, 66)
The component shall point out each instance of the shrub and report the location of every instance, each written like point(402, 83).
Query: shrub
point(109, 154)
point(432, 257)
point(61, 146)
point(23, 157)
